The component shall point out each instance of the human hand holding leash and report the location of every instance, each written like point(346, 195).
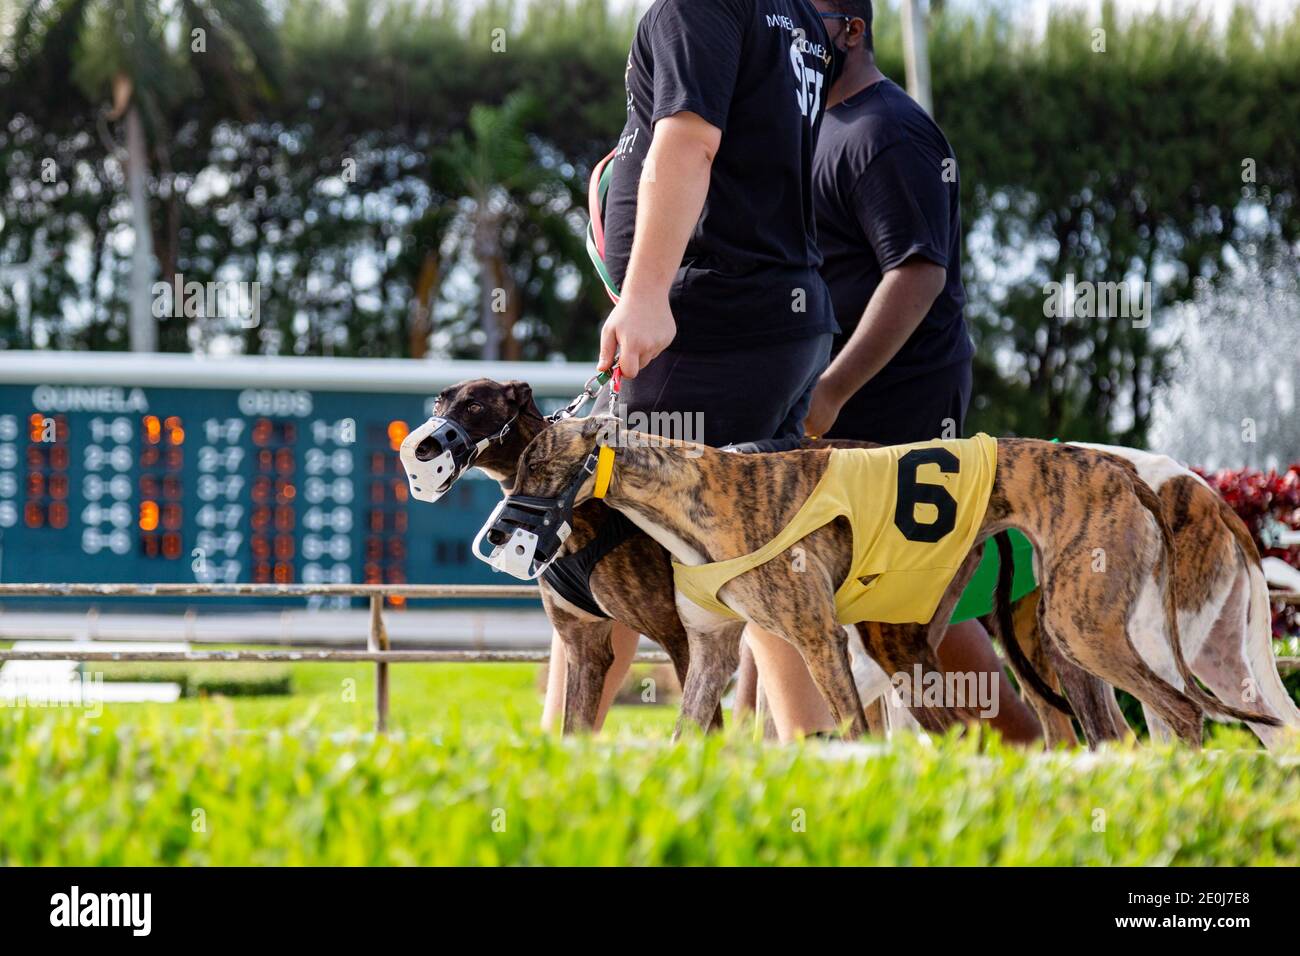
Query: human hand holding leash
point(635, 333)
point(827, 401)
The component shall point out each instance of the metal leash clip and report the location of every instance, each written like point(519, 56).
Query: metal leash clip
point(616, 390)
point(589, 391)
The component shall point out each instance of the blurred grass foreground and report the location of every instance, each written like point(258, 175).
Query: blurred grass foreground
point(465, 779)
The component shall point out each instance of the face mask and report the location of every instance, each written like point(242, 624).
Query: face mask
point(527, 531)
point(836, 56)
point(836, 66)
point(439, 452)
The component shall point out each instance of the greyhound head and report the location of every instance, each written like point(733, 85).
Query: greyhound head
point(553, 460)
point(479, 423)
point(556, 473)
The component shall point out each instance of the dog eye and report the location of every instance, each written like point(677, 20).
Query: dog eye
point(474, 407)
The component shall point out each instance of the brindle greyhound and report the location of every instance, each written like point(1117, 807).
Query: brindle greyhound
point(1224, 617)
point(632, 583)
point(703, 506)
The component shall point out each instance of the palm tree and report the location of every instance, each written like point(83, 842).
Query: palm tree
point(148, 56)
point(496, 173)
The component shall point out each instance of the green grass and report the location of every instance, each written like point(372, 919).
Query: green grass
point(424, 699)
point(196, 680)
point(466, 779)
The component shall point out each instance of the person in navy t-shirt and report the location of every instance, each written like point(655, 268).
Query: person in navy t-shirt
point(887, 191)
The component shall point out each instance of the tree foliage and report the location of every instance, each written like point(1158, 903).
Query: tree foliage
point(348, 188)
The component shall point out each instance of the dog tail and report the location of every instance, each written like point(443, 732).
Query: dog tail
point(1192, 689)
point(1007, 629)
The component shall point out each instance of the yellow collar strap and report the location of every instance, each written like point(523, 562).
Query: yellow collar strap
point(604, 470)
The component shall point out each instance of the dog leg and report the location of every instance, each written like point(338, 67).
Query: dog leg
point(1093, 702)
point(1120, 730)
point(808, 622)
point(1058, 729)
point(681, 651)
point(827, 657)
point(1147, 631)
point(873, 686)
point(900, 649)
point(959, 705)
point(746, 702)
point(589, 655)
point(1223, 662)
point(1158, 730)
point(763, 713)
point(799, 607)
point(1236, 661)
point(898, 718)
point(714, 655)
point(1109, 654)
point(883, 705)
point(1091, 698)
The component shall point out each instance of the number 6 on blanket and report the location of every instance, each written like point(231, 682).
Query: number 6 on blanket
point(910, 494)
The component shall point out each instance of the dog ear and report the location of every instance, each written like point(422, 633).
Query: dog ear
point(606, 429)
point(442, 397)
point(521, 393)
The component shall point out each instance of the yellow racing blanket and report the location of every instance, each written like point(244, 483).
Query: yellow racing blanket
point(915, 511)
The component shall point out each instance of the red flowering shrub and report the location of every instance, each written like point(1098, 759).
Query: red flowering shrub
point(1265, 501)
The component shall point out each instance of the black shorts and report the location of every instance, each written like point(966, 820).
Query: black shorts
point(741, 395)
point(917, 409)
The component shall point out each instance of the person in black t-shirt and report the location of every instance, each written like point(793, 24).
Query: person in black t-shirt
point(887, 195)
point(709, 217)
point(723, 323)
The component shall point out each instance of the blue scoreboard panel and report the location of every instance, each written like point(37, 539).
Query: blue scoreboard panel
point(127, 468)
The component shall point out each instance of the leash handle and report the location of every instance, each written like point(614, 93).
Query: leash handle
point(597, 190)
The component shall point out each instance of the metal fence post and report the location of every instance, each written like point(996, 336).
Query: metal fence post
point(378, 641)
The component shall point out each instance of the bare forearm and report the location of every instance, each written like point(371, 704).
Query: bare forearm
point(669, 202)
point(670, 198)
point(897, 308)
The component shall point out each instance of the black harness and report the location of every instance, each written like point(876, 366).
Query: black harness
point(570, 574)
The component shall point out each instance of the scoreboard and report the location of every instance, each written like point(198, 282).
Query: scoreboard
point(120, 467)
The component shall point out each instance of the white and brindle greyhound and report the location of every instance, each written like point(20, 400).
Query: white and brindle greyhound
point(1224, 617)
point(706, 507)
point(484, 424)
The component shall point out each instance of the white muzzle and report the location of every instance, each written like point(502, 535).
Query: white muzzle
point(518, 556)
point(430, 479)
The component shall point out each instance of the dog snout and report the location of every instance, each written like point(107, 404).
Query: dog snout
point(498, 537)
